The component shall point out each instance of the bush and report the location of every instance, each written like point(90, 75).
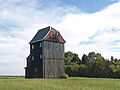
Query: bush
point(68, 70)
point(51, 76)
point(64, 75)
point(76, 70)
point(83, 71)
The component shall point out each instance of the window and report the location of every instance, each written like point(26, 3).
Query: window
point(35, 69)
point(57, 45)
point(32, 58)
point(57, 34)
point(40, 56)
point(32, 46)
point(40, 44)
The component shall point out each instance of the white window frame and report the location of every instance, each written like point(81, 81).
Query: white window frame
point(35, 69)
point(40, 44)
point(40, 56)
point(33, 58)
point(33, 47)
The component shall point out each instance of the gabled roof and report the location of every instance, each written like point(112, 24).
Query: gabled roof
point(46, 34)
point(40, 34)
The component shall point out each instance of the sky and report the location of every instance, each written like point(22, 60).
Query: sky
point(86, 25)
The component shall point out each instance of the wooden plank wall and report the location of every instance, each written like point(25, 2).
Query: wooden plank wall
point(36, 63)
point(53, 59)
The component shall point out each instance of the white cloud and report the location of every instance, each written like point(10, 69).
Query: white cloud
point(22, 21)
point(103, 24)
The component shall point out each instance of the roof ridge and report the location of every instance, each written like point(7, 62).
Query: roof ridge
point(42, 33)
point(44, 28)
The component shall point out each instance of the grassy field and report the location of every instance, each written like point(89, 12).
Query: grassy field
point(72, 83)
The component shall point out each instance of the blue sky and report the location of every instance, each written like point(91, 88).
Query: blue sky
point(88, 6)
point(86, 25)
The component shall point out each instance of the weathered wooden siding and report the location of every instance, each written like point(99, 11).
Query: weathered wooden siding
point(51, 63)
point(53, 58)
point(35, 67)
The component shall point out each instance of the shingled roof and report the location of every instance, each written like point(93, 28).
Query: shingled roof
point(42, 33)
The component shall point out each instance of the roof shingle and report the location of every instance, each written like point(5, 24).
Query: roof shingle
point(40, 34)
point(47, 34)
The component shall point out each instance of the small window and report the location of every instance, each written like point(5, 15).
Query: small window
point(57, 45)
point(57, 34)
point(32, 58)
point(40, 56)
point(35, 69)
point(32, 46)
point(40, 44)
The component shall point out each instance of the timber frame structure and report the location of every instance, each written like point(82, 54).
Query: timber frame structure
point(46, 57)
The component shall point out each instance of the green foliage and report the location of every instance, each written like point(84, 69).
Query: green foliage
point(71, 58)
point(83, 70)
point(68, 58)
point(68, 70)
point(93, 65)
point(91, 56)
point(76, 59)
point(64, 75)
point(85, 59)
point(76, 70)
point(98, 67)
point(115, 67)
point(51, 76)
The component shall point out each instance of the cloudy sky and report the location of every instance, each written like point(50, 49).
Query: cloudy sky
point(86, 25)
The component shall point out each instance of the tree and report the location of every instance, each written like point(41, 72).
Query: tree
point(91, 55)
point(115, 67)
point(99, 66)
point(68, 57)
point(112, 58)
point(72, 58)
point(96, 65)
point(83, 70)
point(76, 59)
point(85, 59)
point(92, 65)
point(108, 72)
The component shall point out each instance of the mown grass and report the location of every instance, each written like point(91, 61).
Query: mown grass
point(72, 83)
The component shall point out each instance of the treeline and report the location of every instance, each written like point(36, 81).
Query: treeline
point(91, 65)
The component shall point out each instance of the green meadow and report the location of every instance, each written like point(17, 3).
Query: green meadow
point(72, 83)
